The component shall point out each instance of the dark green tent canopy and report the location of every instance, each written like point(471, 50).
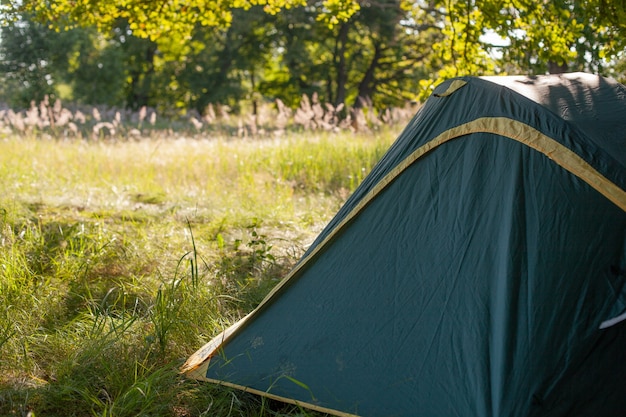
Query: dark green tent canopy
point(479, 270)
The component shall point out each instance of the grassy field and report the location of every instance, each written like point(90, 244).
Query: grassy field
point(120, 259)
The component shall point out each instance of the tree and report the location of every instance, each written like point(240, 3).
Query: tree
point(156, 20)
point(294, 53)
point(93, 68)
point(357, 52)
point(376, 57)
point(534, 37)
point(557, 30)
point(27, 62)
point(399, 48)
point(543, 36)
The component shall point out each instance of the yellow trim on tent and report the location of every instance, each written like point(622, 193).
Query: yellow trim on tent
point(560, 154)
point(279, 398)
point(454, 85)
point(197, 365)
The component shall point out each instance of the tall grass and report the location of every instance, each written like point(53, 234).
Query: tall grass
point(119, 259)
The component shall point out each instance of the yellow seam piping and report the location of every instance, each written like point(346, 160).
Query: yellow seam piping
point(279, 398)
point(560, 154)
point(454, 85)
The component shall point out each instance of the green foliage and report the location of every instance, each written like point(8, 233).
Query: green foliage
point(147, 19)
point(338, 11)
point(26, 48)
point(341, 50)
point(78, 65)
point(173, 297)
point(240, 53)
point(534, 37)
point(550, 30)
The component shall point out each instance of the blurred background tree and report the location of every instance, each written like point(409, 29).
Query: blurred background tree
point(179, 55)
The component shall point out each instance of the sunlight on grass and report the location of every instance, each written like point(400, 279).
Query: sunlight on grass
point(119, 259)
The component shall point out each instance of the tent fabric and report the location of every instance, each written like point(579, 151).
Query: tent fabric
point(478, 270)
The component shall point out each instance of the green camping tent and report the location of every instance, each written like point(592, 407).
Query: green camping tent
point(479, 270)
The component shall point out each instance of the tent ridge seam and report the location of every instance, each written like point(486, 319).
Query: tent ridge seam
point(555, 151)
point(280, 398)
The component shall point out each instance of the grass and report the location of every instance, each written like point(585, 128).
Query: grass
point(120, 259)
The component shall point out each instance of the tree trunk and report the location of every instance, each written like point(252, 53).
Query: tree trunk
point(219, 78)
point(368, 82)
point(253, 96)
point(554, 68)
point(141, 80)
point(340, 64)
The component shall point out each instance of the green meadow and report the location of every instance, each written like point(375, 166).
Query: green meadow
point(119, 259)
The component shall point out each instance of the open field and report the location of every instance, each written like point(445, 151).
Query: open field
point(118, 259)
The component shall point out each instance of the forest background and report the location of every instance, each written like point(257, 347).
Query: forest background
point(204, 58)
